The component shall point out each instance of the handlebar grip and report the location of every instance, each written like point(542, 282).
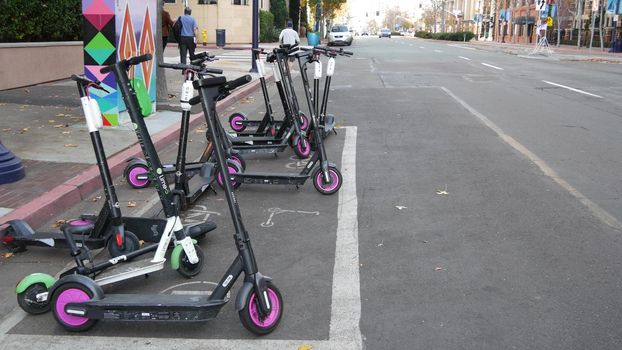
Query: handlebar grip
point(199, 61)
point(180, 66)
point(129, 62)
point(347, 53)
point(138, 59)
point(207, 70)
point(234, 84)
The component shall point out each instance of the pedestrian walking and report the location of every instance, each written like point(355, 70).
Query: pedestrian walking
point(189, 32)
point(290, 37)
point(167, 24)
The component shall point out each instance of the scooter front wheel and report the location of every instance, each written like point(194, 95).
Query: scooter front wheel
point(236, 122)
point(27, 300)
point(132, 174)
point(234, 168)
point(304, 122)
point(71, 292)
point(130, 244)
point(188, 269)
point(303, 148)
point(332, 186)
point(250, 315)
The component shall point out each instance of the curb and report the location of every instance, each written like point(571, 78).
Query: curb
point(40, 210)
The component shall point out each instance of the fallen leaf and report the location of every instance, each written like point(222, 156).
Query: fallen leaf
point(71, 145)
point(66, 132)
point(60, 115)
point(24, 130)
point(438, 268)
point(27, 91)
point(7, 129)
point(58, 223)
point(60, 126)
point(131, 204)
point(305, 347)
point(51, 121)
point(400, 207)
point(97, 198)
point(8, 255)
point(380, 244)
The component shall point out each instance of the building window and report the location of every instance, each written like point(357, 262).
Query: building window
point(208, 2)
point(239, 2)
point(169, 1)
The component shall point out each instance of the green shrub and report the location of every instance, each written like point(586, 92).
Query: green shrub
point(267, 32)
point(51, 20)
point(458, 36)
point(279, 10)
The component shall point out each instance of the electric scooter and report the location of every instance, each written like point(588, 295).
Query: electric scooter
point(94, 231)
point(326, 176)
point(267, 126)
point(186, 257)
point(326, 122)
point(78, 302)
point(192, 179)
point(292, 130)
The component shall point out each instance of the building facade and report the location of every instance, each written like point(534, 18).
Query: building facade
point(234, 16)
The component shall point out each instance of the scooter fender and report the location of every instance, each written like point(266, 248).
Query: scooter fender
point(33, 279)
point(96, 290)
point(176, 254)
point(247, 288)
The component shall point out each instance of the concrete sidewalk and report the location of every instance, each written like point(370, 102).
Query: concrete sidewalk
point(44, 126)
point(562, 53)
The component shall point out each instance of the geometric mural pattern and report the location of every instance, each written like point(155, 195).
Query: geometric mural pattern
point(110, 36)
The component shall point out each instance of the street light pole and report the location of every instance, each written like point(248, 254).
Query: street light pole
point(255, 38)
point(491, 28)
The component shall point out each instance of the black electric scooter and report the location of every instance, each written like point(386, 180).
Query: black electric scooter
point(268, 125)
point(326, 176)
point(292, 130)
point(192, 179)
point(186, 258)
point(78, 302)
point(94, 231)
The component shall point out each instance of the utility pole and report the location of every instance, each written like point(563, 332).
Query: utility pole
point(580, 20)
point(255, 37)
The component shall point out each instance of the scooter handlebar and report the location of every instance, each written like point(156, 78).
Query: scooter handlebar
point(128, 62)
point(180, 66)
point(236, 83)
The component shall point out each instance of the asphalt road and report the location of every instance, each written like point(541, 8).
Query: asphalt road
point(480, 210)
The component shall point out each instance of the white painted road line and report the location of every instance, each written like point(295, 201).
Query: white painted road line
point(439, 51)
point(596, 210)
point(461, 46)
point(572, 89)
point(464, 58)
point(491, 66)
point(421, 47)
point(344, 332)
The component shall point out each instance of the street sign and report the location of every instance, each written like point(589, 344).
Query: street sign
point(549, 21)
point(540, 5)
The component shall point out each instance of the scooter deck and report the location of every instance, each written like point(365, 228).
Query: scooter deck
point(158, 307)
point(126, 271)
point(270, 178)
point(253, 149)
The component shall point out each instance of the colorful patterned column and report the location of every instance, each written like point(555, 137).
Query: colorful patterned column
point(110, 35)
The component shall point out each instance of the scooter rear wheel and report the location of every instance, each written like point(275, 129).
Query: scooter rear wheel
point(304, 122)
point(303, 148)
point(188, 269)
point(132, 174)
point(249, 315)
point(234, 168)
point(131, 244)
point(27, 300)
point(71, 292)
point(235, 122)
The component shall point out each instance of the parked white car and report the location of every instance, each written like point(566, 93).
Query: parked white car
point(339, 34)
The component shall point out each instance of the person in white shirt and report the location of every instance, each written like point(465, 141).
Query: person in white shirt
point(289, 36)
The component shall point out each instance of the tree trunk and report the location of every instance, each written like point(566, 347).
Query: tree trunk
point(600, 26)
point(559, 33)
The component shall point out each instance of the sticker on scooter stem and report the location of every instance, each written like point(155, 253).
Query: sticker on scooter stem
point(275, 211)
point(198, 214)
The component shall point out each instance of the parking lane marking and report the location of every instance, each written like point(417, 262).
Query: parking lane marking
point(344, 331)
point(491, 66)
point(571, 89)
point(464, 58)
point(461, 46)
point(596, 210)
